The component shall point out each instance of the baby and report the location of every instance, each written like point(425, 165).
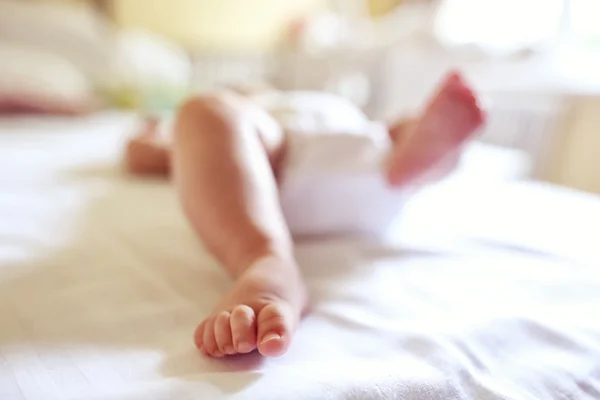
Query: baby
point(237, 162)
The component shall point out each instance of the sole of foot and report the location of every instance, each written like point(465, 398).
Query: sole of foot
point(450, 119)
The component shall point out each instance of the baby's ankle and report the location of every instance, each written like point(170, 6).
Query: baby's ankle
point(263, 257)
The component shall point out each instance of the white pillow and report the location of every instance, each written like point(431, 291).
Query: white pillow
point(34, 80)
point(72, 31)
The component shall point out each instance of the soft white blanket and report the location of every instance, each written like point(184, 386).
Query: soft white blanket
point(491, 291)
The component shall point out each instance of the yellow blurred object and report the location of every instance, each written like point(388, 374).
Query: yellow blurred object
point(378, 8)
point(152, 99)
point(221, 25)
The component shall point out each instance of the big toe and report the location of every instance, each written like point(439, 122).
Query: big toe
point(461, 95)
point(243, 329)
point(454, 77)
point(276, 323)
point(199, 337)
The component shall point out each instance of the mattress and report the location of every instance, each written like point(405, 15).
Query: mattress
point(489, 290)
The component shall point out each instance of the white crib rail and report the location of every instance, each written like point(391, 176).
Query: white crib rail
point(533, 123)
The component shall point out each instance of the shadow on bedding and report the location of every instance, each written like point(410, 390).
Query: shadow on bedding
point(111, 265)
point(114, 267)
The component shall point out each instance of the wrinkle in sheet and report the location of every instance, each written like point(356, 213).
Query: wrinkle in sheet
point(104, 296)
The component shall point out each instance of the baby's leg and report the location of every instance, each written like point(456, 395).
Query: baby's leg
point(223, 153)
point(436, 137)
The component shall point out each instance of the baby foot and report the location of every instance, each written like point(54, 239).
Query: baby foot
point(261, 312)
point(145, 154)
point(450, 119)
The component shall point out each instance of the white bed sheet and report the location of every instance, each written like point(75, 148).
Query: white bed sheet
point(492, 293)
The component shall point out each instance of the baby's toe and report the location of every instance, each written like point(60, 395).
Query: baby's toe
point(275, 326)
point(223, 333)
point(199, 336)
point(209, 341)
point(452, 79)
point(243, 328)
point(466, 104)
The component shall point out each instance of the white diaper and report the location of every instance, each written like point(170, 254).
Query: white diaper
point(332, 183)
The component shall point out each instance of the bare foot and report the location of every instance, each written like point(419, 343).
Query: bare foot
point(261, 312)
point(145, 154)
point(450, 119)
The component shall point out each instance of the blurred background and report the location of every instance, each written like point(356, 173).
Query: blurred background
point(535, 62)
